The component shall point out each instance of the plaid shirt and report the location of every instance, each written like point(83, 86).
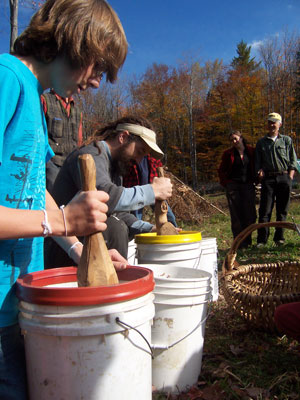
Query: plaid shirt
point(66, 102)
point(132, 178)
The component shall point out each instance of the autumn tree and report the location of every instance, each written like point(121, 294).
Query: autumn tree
point(185, 88)
point(102, 106)
point(279, 58)
point(151, 96)
point(297, 87)
point(297, 102)
point(14, 14)
point(14, 11)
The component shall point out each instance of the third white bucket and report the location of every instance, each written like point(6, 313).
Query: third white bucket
point(179, 325)
point(208, 261)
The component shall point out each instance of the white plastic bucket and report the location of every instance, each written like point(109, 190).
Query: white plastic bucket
point(188, 250)
point(179, 326)
point(168, 276)
point(175, 250)
point(91, 343)
point(209, 262)
point(131, 255)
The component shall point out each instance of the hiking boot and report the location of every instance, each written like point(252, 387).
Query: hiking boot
point(279, 242)
point(261, 245)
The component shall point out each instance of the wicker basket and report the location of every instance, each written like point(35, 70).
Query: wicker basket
point(255, 290)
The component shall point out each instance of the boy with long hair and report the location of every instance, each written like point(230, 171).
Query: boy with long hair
point(68, 46)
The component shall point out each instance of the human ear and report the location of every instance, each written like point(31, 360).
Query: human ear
point(123, 137)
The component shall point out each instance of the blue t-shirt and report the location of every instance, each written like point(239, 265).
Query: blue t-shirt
point(24, 150)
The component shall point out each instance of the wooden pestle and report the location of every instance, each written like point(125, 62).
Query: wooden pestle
point(95, 267)
point(163, 227)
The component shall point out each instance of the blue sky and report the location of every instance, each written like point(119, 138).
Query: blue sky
point(167, 31)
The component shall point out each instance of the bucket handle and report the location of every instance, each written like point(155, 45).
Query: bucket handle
point(166, 347)
point(123, 324)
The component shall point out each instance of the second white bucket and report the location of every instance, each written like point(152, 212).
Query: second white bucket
point(188, 250)
point(181, 300)
point(131, 256)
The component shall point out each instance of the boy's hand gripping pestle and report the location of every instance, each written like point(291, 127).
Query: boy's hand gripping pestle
point(163, 227)
point(95, 267)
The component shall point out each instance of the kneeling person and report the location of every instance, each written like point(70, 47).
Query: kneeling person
point(113, 149)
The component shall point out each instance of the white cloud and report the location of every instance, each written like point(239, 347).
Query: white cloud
point(256, 44)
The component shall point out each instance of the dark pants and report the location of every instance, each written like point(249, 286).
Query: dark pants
point(274, 188)
point(241, 202)
point(116, 236)
point(13, 385)
point(287, 320)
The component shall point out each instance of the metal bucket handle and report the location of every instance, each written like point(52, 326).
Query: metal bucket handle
point(166, 347)
point(118, 321)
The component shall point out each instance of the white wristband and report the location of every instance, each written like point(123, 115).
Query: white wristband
point(72, 247)
point(46, 225)
point(64, 218)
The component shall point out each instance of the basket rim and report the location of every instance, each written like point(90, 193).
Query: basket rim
point(230, 262)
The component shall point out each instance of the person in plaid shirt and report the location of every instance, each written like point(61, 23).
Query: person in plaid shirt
point(141, 174)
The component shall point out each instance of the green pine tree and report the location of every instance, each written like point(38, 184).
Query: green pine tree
point(243, 60)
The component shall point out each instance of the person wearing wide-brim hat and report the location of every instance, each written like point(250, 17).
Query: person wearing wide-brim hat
point(113, 148)
point(275, 165)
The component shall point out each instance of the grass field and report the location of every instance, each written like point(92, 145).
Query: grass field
point(240, 362)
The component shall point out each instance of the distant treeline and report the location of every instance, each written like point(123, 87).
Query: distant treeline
point(194, 107)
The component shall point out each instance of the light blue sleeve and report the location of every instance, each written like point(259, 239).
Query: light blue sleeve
point(135, 198)
point(140, 227)
point(9, 97)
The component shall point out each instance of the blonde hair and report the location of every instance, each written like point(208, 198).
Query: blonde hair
point(82, 31)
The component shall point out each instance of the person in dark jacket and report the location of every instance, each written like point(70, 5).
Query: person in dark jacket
point(236, 174)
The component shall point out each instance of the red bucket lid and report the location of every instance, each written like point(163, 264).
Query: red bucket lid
point(32, 287)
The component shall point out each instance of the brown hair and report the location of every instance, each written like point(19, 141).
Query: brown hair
point(238, 133)
point(109, 131)
point(82, 31)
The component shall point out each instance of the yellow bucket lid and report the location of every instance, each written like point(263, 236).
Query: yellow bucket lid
point(182, 237)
